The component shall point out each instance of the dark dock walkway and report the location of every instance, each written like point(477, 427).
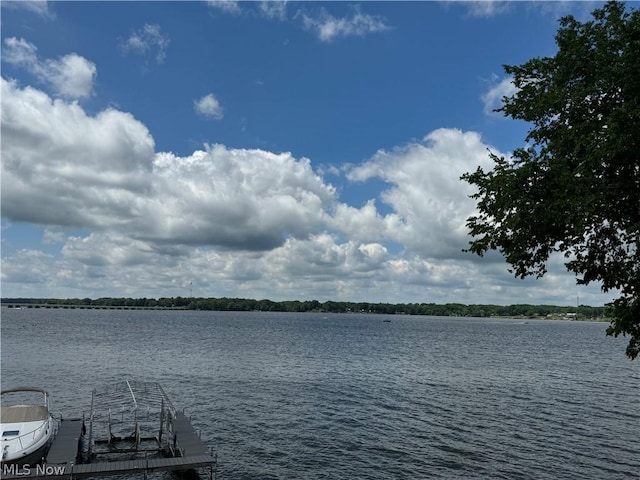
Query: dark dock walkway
point(65, 446)
point(187, 442)
point(123, 467)
point(138, 466)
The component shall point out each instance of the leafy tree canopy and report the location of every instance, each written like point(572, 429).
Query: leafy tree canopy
point(575, 187)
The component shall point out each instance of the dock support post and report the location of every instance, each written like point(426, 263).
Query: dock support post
point(161, 421)
point(109, 436)
point(137, 436)
point(90, 446)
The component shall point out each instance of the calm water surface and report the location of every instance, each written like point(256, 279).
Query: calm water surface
point(311, 396)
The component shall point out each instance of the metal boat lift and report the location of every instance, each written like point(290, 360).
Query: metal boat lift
point(129, 417)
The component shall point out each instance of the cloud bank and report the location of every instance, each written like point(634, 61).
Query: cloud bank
point(126, 219)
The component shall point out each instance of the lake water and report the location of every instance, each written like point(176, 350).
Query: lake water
point(313, 396)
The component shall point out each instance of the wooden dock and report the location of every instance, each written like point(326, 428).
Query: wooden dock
point(187, 442)
point(66, 445)
point(183, 450)
point(124, 467)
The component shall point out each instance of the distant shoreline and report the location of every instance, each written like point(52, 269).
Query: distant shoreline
point(516, 311)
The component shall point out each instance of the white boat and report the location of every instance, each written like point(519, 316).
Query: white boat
point(27, 429)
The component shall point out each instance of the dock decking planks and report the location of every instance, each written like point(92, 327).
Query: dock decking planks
point(118, 468)
point(64, 448)
point(187, 439)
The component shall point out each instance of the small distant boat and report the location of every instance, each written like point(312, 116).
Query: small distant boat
point(27, 430)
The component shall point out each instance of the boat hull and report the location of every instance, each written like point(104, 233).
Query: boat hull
point(34, 458)
point(35, 452)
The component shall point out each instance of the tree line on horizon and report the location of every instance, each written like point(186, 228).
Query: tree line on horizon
point(246, 305)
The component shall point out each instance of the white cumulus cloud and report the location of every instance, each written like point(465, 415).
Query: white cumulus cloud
point(250, 199)
point(74, 169)
point(101, 172)
point(209, 106)
point(70, 76)
point(429, 203)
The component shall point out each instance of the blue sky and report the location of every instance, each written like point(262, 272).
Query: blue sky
point(281, 150)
